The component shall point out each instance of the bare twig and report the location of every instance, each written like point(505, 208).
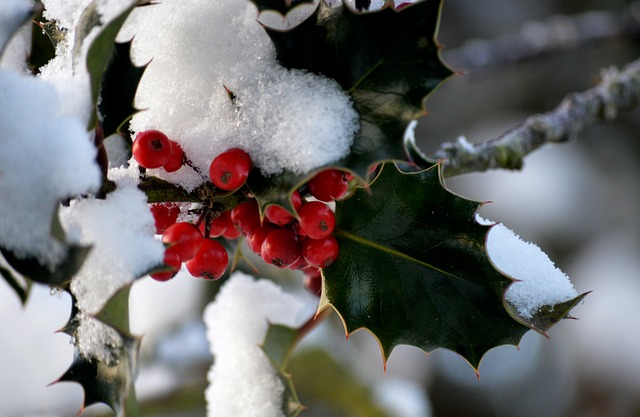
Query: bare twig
point(616, 92)
point(538, 38)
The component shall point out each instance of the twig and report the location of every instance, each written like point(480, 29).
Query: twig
point(538, 38)
point(616, 92)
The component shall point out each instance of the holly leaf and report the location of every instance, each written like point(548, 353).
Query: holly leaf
point(282, 6)
point(102, 47)
point(118, 89)
point(278, 345)
point(388, 61)
point(22, 287)
point(413, 269)
point(106, 380)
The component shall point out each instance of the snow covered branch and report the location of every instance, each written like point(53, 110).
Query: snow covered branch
point(617, 91)
point(537, 38)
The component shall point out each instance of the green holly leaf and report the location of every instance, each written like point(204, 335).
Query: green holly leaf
point(106, 380)
point(282, 6)
point(102, 47)
point(413, 269)
point(118, 89)
point(22, 287)
point(278, 345)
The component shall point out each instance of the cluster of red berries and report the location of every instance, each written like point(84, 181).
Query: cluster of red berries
point(301, 241)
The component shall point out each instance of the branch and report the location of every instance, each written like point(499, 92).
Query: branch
point(617, 91)
point(538, 38)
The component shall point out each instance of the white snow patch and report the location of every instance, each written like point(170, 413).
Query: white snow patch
point(540, 283)
point(243, 381)
point(120, 230)
point(46, 156)
point(285, 119)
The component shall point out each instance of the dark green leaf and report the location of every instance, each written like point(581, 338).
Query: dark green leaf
point(413, 269)
point(118, 90)
point(33, 269)
point(45, 37)
point(101, 51)
point(278, 345)
point(282, 6)
point(108, 382)
point(22, 289)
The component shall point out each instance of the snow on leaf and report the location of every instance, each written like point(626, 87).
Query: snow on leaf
point(47, 157)
point(388, 77)
point(413, 269)
point(243, 379)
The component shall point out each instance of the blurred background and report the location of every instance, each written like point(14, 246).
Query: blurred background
point(578, 201)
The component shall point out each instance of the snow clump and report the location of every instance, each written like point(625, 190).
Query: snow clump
point(538, 282)
point(285, 119)
point(46, 156)
point(243, 382)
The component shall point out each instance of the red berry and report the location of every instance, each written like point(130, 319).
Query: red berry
point(172, 261)
point(316, 219)
point(320, 253)
point(230, 169)
point(300, 264)
point(210, 262)
point(313, 281)
point(185, 238)
point(221, 224)
point(151, 148)
point(164, 215)
point(328, 185)
point(257, 236)
point(279, 215)
point(281, 248)
point(176, 159)
point(231, 233)
point(246, 216)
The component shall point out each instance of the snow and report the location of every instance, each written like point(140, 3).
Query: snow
point(285, 119)
point(539, 282)
point(242, 379)
point(120, 230)
point(46, 156)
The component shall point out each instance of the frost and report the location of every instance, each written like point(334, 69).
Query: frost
point(285, 119)
point(46, 156)
point(539, 282)
point(243, 381)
